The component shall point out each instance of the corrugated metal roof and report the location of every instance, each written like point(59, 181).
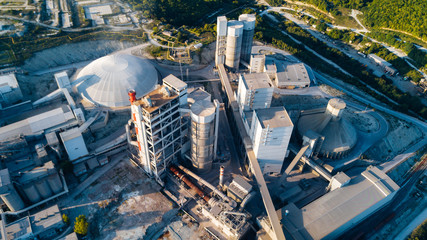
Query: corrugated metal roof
point(70, 134)
point(175, 82)
point(46, 219)
point(37, 173)
point(326, 214)
point(36, 124)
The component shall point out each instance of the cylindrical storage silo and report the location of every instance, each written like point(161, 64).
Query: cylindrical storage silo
point(32, 193)
point(335, 108)
point(248, 35)
point(234, 44)
point(43, 188)
point(12, 200)
point(55, 183)
point(202, 135)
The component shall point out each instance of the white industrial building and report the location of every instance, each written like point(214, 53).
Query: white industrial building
point(333, 214)
point(62, 80)
point(96, 12)
point(48, 121)
point(269, 128)
point(283, 74)
point(270, 132)
point(10, 92)
point(255, 91)
point(291, 75)
point(221, 40)
point(158, 125)
point(44, 224)
point(74, 143)
point(234, 40)
point(257, 63)
point(383, 63)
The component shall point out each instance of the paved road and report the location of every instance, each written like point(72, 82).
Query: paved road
point(321, 38)
point(412, 225)
point(421, 124)
point(404, 86)
point(397, 206)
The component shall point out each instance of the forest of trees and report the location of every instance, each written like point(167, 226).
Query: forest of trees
point(181, 12)
point(419, 56)
point(404, 15)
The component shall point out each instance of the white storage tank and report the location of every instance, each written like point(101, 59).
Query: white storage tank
point(234, 44)
point(202, 134)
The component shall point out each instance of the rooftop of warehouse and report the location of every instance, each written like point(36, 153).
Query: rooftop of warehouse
point(329, 212)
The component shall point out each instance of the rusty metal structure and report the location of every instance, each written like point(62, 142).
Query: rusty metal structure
point(189, 183)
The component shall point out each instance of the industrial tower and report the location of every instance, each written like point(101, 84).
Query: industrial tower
point(234, 40)
point(159, 126)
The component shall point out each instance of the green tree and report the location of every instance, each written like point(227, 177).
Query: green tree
point(420, 232)
point(66, 219)
point(81, 225)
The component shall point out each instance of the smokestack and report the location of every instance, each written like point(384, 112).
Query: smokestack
point(132, 96)
point(221, 176)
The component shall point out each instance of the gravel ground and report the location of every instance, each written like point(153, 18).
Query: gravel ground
point(122, 204)
point(72, 53)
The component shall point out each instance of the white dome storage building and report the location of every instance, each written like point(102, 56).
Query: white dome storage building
point(107, 80)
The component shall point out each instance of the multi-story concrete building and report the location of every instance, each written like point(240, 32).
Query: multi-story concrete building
point(257, 63)
point(270, 132)
point(255, 91)
point(270, 129)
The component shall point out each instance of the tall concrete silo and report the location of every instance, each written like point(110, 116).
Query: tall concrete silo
point(41, 182)
point(203, 134)
point(221, 40)
point(248, 21)
point(43, 188)
point(8, 192)
point(234, 44)
point(31, 192)
point(55, 183)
